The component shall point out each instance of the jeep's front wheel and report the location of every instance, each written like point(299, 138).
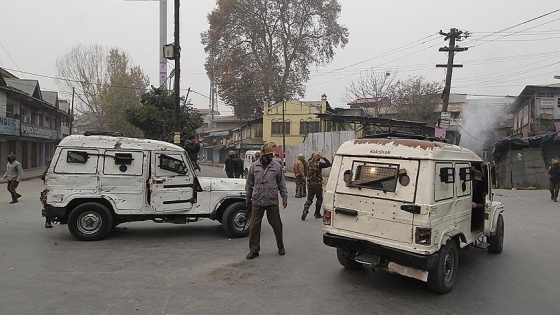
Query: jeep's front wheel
point(442, 278)
point(90, 221)
point(236, 220)
point(496, 241)
point(346, 257)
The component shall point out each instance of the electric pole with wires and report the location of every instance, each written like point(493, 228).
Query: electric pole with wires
point(453, 36)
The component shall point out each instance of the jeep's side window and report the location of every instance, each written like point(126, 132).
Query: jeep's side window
point(172, 164)
point(374, 176)
point(463, 187)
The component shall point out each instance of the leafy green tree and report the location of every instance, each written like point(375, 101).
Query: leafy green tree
point(123, 92)
point(155, 116)
point(260, 49)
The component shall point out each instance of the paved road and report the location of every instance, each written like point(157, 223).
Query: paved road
point(149, 268)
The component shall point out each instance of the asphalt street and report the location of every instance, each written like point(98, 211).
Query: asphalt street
point(150, 268)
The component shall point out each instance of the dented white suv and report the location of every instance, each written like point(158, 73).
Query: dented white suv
point(406, 205)
point(95, 182)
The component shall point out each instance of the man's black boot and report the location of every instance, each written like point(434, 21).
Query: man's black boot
point(252, 255)
point(304, 214)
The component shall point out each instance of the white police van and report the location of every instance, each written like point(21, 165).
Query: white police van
point(96, 182)
point(406, 205)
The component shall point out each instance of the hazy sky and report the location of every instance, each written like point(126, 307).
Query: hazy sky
point(396, 36)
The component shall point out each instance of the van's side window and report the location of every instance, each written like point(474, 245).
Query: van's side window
point(374, 176)
point(77, 157)
point(77, 162)
point(123, 158)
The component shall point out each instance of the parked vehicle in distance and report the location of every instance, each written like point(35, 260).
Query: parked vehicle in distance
point(96, 182)
point(405, 204)
point(249, 159)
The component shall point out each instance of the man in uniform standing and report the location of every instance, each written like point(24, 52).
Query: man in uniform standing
point(300, 177)
point(265, 180)
point(315, 184)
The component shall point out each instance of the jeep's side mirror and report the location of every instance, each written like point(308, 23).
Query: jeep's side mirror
point(347, 177)
point(447, 175)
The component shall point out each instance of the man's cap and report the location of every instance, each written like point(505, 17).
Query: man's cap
point(555, 161)
point(268, 148)
point(231, 152)
point(301, 155)
point(258, 154)
point(316, 156)
point(11, 156)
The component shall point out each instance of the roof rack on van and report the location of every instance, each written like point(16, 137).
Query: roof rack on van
point(103, 133)
point(404, 135)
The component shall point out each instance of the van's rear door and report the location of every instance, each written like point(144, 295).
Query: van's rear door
point(370, 202)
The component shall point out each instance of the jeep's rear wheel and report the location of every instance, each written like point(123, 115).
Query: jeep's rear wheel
point(497, 240)
point(90, 221)
point(346, 257)
point(236, 220)
point(442, 278)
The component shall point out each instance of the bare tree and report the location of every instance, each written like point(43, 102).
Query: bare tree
point(373, 85)
point(83, 68)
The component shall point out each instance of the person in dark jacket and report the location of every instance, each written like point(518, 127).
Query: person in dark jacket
point(553, 174)
point(237, 166)
point(478, 197)
point(230, 164)
point(193, 147)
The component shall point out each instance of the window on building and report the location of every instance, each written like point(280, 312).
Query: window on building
point(306, 127)
point(258, 131)
point(10, 111)
point(277, 128)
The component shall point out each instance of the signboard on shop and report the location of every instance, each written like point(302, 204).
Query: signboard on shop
point(28, 130)
point(9, 126)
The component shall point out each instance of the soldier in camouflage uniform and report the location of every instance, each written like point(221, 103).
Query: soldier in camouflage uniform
point(315, 184)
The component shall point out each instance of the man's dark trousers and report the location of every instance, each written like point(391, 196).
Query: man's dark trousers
point(273, 217)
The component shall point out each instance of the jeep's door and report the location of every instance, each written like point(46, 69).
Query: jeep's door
point(172, 182)
point(488, 208)
point(370, 201)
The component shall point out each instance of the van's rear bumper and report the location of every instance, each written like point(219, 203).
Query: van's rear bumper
point(425, 262)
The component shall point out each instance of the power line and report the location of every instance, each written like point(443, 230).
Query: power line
point(10, 57)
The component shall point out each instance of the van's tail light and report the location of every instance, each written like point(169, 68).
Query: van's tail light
point(327, 217)
point(423, 236)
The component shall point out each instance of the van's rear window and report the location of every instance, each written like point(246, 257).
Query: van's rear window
point(374, 176)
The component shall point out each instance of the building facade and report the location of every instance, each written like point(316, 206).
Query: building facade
point(32, 121)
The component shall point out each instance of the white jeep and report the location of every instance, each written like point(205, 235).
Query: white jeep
point(406, 205)
point(95, 182)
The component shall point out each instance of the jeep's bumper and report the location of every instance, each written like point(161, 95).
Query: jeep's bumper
point(53, 212)
point(424, 262)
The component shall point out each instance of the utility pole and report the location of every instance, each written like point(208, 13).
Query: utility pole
point(452, 36)
point(177, 84)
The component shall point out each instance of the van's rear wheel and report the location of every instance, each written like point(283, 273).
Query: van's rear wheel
point(442, 278)
point(346, 257)
point(90, 221)
point(496, 241)
point(236, 220)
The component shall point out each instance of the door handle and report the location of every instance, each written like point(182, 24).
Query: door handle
point(159, 181)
